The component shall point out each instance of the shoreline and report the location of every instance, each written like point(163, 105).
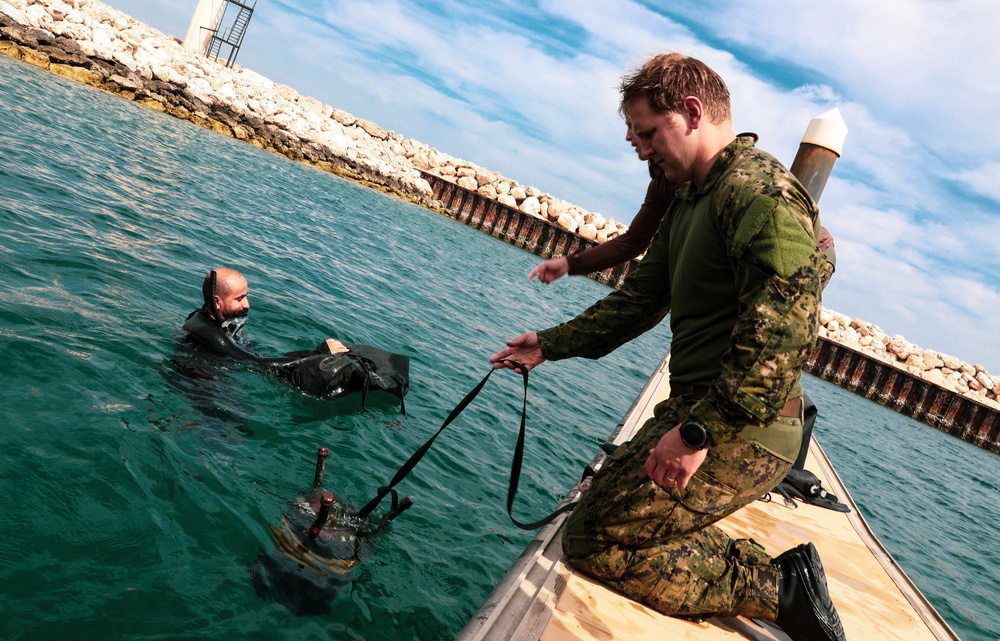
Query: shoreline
point(92, 43)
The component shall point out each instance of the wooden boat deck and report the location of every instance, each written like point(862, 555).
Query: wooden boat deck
point(542, 598)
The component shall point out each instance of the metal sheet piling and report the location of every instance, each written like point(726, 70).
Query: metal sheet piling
point(513, 226)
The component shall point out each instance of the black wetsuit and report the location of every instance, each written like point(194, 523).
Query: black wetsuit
point(316, 372)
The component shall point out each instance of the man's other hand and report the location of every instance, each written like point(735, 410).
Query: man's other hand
point(551, 270)
point(335, 346)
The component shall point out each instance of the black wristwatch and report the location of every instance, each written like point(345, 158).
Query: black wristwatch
point(694, 434)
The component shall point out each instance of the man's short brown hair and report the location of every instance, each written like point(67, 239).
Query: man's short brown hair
point(667, 79)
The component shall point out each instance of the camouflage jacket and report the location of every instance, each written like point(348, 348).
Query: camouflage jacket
point(736, 264)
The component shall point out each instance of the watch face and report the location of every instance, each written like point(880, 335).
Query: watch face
point(693, 434)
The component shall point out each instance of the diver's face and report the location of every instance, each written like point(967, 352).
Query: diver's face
point(235, 302)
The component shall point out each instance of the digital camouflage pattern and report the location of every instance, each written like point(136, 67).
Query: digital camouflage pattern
point(658, 545)
point(736, 263)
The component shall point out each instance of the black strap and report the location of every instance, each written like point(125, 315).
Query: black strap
point(515, 468)
point(402, 393)
point(789, 501)
point(368, 379)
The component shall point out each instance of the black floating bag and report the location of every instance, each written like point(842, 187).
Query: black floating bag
point(386, 371)
point(326, 375)
point(363, 368)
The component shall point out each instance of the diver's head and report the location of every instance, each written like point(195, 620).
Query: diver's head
point(226, 294)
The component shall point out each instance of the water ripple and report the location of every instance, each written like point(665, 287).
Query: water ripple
point(135, 491)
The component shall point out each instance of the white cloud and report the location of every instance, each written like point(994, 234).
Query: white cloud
point(530, 90)
point(983, 180)
point(929, 63)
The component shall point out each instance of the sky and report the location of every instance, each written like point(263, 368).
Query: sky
point(529, 89)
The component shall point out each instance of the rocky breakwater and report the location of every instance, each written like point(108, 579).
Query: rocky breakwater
point(88, 41)
point(948, 372)
point(93, 43)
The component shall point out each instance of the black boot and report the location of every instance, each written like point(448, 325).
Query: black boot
point(805, 611)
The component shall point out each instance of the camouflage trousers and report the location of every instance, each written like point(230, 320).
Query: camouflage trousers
point(658, 546)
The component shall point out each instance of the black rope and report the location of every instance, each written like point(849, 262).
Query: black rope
point(515, 468)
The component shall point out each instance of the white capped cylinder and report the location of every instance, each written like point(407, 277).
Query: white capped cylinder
point(827, 130)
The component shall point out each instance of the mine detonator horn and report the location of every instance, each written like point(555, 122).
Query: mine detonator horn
point(397, 507)
point(321, 455)
point(322, 516)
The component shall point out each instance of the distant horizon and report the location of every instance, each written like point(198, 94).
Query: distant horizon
point(529, 91)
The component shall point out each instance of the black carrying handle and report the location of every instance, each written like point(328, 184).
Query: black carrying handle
point(515, 467)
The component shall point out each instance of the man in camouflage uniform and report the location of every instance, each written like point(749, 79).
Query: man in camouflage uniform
point(735, 261)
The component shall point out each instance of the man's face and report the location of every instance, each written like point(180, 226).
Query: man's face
point(662, 138)
point(630, 136)
point(235, 302)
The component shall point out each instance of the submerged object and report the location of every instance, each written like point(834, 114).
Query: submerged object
point(316, 547)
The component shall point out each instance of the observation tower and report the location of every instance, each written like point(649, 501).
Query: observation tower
point(217, 28)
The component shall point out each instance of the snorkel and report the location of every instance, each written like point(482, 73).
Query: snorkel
point(208, 293)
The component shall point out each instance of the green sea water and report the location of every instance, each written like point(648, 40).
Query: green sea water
point(134, 494)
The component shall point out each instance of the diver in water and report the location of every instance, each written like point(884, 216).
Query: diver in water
point(227, 306)
point(329, 371)
point(227, 300)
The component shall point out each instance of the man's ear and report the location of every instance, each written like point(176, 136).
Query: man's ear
point(693, 110)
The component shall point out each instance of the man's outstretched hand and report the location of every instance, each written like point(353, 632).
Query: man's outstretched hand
point(524, 350)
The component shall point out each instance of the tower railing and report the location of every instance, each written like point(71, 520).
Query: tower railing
point(231, 37)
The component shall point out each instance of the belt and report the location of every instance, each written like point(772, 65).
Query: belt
point(791, 409)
